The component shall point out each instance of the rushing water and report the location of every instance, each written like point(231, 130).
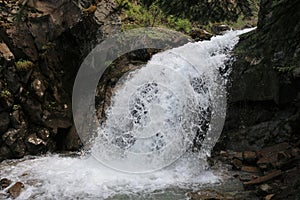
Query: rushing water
point(169, 103)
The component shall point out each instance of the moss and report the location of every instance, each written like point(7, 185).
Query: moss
point(16, 107)
point(5, 93)
point(24, 65)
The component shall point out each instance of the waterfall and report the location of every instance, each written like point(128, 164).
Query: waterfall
point(162, 120)
point(172, 105)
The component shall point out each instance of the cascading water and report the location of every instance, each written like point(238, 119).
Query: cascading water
point(158, 114)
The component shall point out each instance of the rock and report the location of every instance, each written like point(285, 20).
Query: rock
point(247, 177)
point(269, 155)
point(44, 134)
point(4, 183)
point(265, 189)
point(5, 152)
point(237, 164)
point(250, 169)
point(38, 87)
point(35, 144)
point(56, 123)
point(17, 120)
point(5, 53)
point(200, 35)
point(219, 29)
point(33, 109)
point(249, 156)
point(238, 155)
point(11, 136)
point(72, 140)
point(268, 151)
point(16, 189)
point(4, 122)
point(263, 179)
point(269, 197)
point(54, 37)
point(206, 195)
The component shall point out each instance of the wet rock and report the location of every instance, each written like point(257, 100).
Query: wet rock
point(38, 87)
point(250, 169)
point(72, 140)
point(58, 123)
point(4, 183)
point(16, 189)
point(206, 195)
point(5, 53)
point(35, 144)
point(263, 179)
point(269, 155)
point(17, 119)
point(265, 189)
point(200, 35)
point(238, 155)
point(269, 197)
point(18, 148)
point(236, 163)
point(33, 109)
point(249, 156)
point(44, 134)
point(247, 177)
point(5, 152)
point(219, 29)
point(54, 37)
point(4, 122)
point(11, 136)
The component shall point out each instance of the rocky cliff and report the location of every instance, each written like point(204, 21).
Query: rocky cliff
point(42, 44)
point(263, 117)
point(264, 96)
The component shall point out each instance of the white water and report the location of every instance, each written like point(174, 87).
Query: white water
point(175, 102)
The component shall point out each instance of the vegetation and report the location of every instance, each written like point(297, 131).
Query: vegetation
point(24, 65)
point(207, 11)
point(135, 14)
point(5, 93)
point(184, 15)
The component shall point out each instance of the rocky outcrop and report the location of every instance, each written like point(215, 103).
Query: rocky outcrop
point(264, 96)
point(264, 103)
point(41, 48)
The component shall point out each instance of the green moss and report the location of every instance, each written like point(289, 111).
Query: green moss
point(5, 93)
point(24, 65)
point(16, 107)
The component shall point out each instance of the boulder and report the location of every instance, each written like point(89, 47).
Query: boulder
point(16, 189)
point(4, 183)
point(219, 29)
point(200, 35)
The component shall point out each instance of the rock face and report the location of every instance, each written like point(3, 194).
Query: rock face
point(41, 49)
point(264, 96)
point(263, 116)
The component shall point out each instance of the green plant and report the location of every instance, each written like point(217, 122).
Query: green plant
point(16, 107)
point(24, 65)
point(48, 46)
point(285, 69)
point(5, 93)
